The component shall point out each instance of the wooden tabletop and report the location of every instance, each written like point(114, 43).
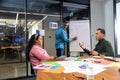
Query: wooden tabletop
point(111, 73)
point(13, 47)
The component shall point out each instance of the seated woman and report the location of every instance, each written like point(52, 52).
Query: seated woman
point(35, 53)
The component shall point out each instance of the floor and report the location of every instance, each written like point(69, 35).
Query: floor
point(13, 70)
point(13, 67)
point(28, 78)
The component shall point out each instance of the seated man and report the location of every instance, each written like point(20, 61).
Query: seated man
point(102, 47)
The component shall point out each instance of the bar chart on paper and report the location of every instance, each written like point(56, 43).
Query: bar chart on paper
point(81, 29)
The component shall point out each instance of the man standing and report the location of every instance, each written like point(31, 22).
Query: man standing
point(61, 38)
point(102, 47)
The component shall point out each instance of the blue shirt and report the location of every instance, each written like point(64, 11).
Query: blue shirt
point(61, 38)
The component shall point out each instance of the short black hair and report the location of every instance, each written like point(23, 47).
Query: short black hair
point(101, 30)
point(65, 21)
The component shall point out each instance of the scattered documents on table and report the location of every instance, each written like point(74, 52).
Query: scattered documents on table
point(84, 66)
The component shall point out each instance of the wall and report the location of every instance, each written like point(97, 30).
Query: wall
point(49, 38)
point(117, 28)
point(109, 22)
point(97, 18)
point(33, 29)
point(102, 16)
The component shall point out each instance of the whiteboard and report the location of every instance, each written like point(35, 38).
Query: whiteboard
point(81, 29)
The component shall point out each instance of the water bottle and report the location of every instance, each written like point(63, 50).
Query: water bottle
point(90, 72)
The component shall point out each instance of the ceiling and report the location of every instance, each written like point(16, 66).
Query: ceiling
point(10, 10)
point(42, 6)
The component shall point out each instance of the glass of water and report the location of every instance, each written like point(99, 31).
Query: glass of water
point(90, 74)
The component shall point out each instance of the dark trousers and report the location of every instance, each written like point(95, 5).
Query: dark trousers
point(32, 71)
point(59, 52)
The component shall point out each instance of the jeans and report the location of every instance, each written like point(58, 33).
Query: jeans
point(59, 52)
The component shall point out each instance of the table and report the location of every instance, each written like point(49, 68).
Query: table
point(12, 47)
point(111, 73)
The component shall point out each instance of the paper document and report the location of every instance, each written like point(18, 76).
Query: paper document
point(114, 64)
point(48, 65)
point(74, 66)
